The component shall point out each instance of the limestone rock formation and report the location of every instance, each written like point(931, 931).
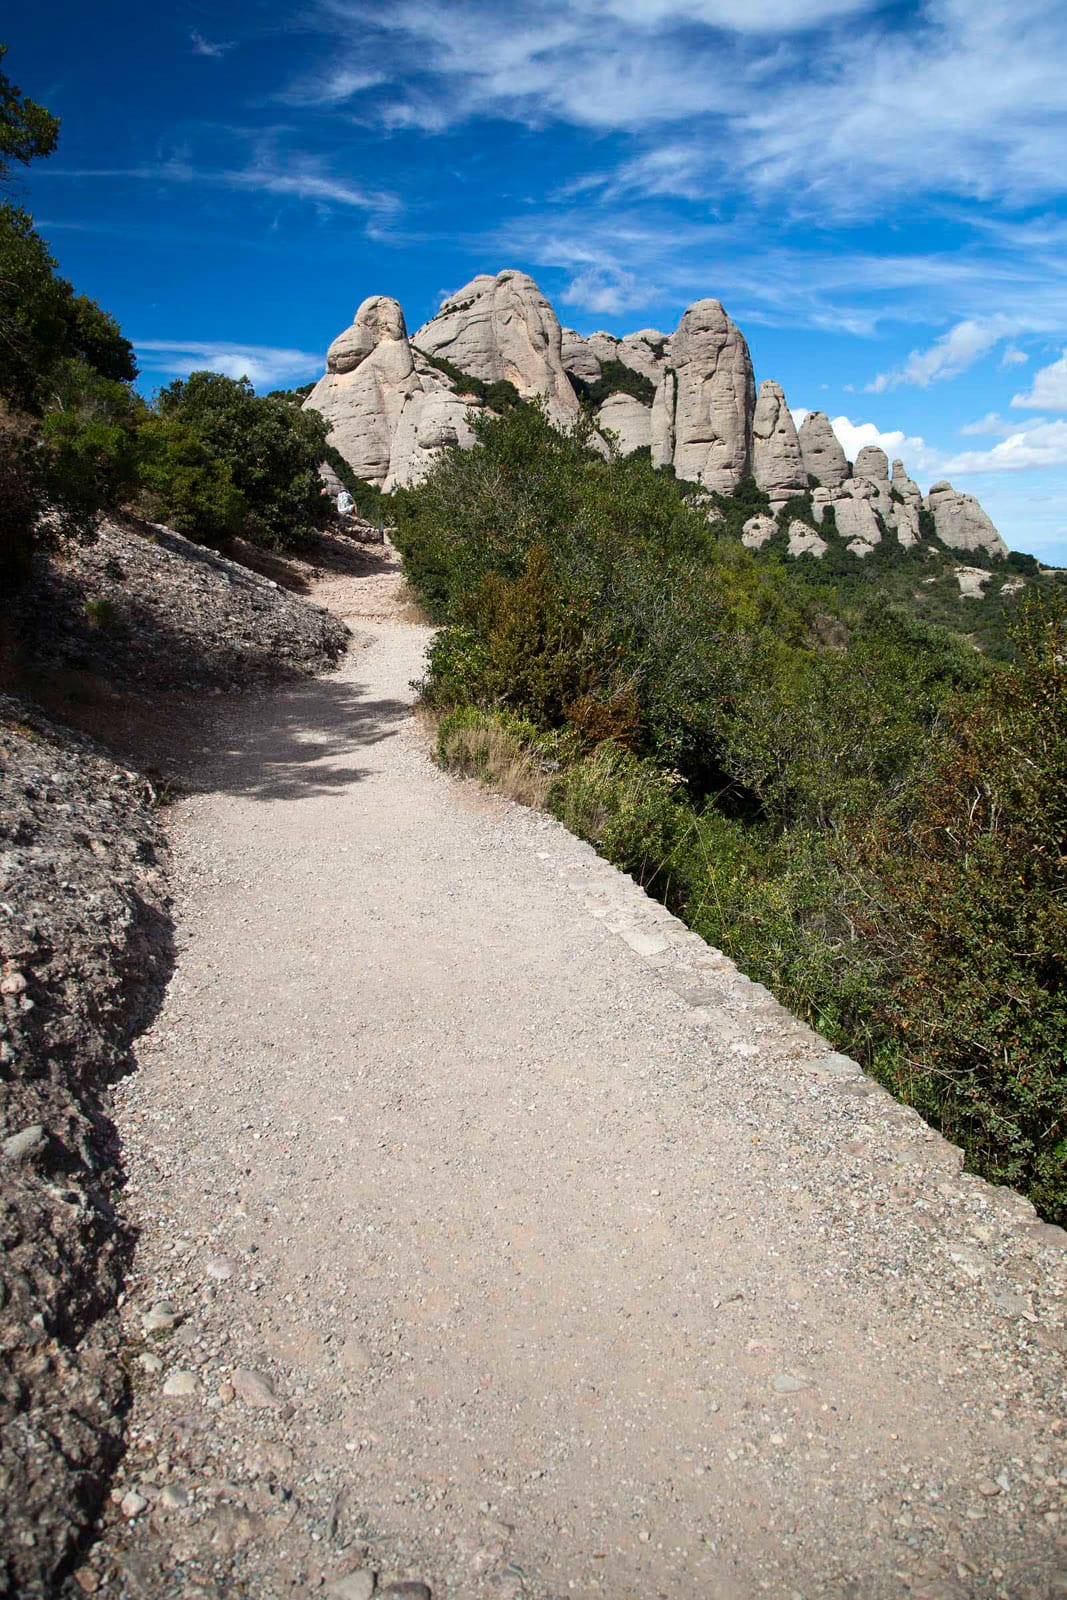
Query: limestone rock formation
point(393, 408)
point(777, 464)
point(662, 422)
point(907, 504)
point(503, 327)
point(714, 399)
point(432, 419)
point(824, 459)
point(961, 523)
point(629, 419)
point(856, 515)
point(369, 375)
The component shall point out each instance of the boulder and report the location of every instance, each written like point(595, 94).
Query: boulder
point(820, 499)
point(578, 358)
point(824, 459)
point(644, 352)
point(777, 464)
point(804, 541)
point(629, 419)
point(872, 463)
point(369, 376)
point(961, 523)
point(715, 398)
point(856, 513)
point(758, 530)
point(503, 327)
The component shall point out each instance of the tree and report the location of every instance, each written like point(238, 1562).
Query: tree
point(27, 130)
point(271, 450)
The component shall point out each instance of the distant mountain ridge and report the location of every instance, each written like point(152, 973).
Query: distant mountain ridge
point(688, 397)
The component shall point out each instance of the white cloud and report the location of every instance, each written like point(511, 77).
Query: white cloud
point(1048, 392)
point(1013, 357)
point(913, 451)
point(947, 357)
point(209, 47)
point(605, 291)
point(1043, 444)
point(266, 366)
point(332, 87)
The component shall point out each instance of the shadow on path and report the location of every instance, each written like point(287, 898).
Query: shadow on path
point(304, 741)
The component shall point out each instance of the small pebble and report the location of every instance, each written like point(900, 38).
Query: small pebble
point(180, 1385)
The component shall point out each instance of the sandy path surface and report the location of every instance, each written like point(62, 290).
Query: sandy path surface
point(513, 1243)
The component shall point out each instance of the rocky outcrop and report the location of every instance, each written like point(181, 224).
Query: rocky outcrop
point(758, 531)
point(627, 418)
point(804, 541)
point(432, 418)
point(370, 373)
point(907, 506)
point(395, 403)
point(503, 328)
point(824, 459)
point(961, 523)
point(777, 464)
point(579, 360)
point(714, 398)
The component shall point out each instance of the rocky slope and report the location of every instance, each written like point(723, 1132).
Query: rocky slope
point(688, 397)
point(139, 619)
point(85, 950)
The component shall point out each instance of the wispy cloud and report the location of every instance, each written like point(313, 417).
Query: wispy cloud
point(300, 179)
point(263, 364)
point(213, 48)
point(950, 355)
point(814, 103)
point(1048, 392)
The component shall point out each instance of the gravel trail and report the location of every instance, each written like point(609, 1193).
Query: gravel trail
point(502, 1237)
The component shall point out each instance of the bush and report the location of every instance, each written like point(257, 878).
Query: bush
point(270, 450)
point(861, 811)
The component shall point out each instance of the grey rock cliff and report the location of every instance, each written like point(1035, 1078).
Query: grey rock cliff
point(961, 523)
point(626, 417)
point(715, 398)
point(503, 327)
point(777, 464)
point(824, 460)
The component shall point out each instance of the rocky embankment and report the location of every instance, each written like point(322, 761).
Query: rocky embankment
point(85, 946)
point(85, 951)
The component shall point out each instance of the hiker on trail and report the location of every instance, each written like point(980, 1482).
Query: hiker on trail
point(345, 504)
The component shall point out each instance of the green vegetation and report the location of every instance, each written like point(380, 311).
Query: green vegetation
point(499, 396)
point(615, 378)
point(863, 811)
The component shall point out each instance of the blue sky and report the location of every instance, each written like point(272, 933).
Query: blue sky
point(875, 192)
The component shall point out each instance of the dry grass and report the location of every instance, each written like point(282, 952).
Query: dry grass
point(492, 755)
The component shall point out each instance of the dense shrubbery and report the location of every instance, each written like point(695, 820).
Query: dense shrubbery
point(864, 813)
point(615, 378)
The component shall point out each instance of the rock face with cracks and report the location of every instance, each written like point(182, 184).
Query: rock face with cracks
point(777, 464)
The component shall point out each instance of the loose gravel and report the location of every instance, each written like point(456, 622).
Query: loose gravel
point(498, 1235)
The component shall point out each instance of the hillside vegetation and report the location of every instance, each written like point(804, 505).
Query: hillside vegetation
point(866, 814)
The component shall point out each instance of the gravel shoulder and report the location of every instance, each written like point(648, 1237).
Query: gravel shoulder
point(497, 1234)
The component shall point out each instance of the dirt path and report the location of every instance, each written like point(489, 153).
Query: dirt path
point(521, 1247)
